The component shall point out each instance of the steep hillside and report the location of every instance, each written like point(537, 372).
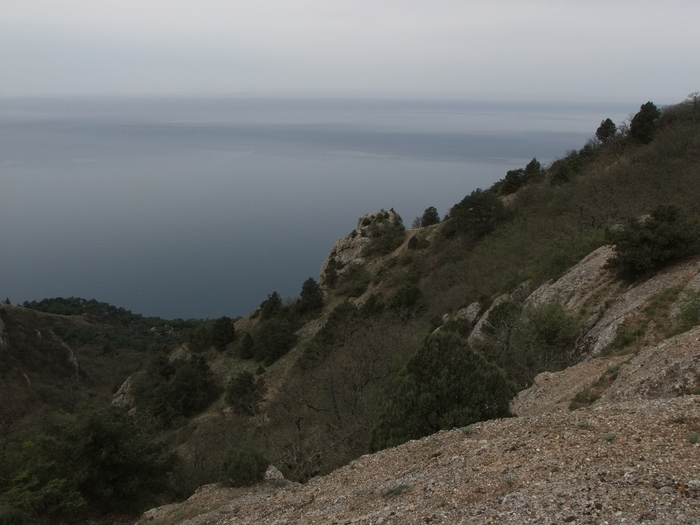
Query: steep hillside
point(613, 438)
point(575, 284)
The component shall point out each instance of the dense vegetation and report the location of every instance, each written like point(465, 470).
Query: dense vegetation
point(353, 364)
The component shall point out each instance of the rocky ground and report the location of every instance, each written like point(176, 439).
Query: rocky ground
point(629, 462)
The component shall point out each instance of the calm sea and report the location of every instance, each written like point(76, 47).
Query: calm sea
point(185, 207)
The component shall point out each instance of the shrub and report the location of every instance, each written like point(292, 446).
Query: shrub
point(443, 385)
point(223, 332)
point(168, 391)
point(271, 306)
point(311, 297)
point(104, 460)
point(247, 348)
point(275, 337)
point(12, 516)
point(353, 281)
point(406, 297)
point(242, 467)
point(643, 246)
point(245, 392)
point(689, 314)
point(477, 214)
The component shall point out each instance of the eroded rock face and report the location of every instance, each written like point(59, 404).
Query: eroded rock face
point(350, 250)
point(580, 284)
point(609, 315)
point(591, 290)
point(668, 369)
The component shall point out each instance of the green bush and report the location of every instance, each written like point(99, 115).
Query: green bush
point(169, 391)
point(12, 516)
point(444, 385)
point(406, 297)
point(643, 246)
point(689, 314)
point(103, 460)
point(477, 214)
point(245, 392)
point(223, 332)
point(275, 338)
point(242, 467)
point(247, 348)
point(354, 281)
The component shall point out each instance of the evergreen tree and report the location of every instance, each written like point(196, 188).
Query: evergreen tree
point(311, 297)
point(223, 332)
point(430, 217)
point(444, 385)
point(606, 131)
point(644, 123)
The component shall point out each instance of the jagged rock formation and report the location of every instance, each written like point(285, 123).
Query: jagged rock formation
point(351, 249)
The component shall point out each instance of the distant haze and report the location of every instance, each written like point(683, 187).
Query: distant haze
point(200, 207)
point(501, 49)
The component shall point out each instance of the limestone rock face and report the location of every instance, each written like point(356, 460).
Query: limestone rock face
point(469, 314)
point(124, 398)
point(477, 334)
point(590, 289)
point(351, 249)
point(580, 283)
point(668, 369)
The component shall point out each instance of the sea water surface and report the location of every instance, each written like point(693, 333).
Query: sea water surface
point(201, 207)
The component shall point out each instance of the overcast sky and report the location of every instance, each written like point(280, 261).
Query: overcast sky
point(493, 49)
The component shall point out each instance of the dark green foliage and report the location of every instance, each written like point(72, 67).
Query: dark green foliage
point(406, 297)
point(311, 297)
point(430, 216)
point(533, 170)
point(444, 385)
point(515, 179)
point(386, 233)
point(243, 467)
point(12, 516)
point(272, 306)
point(169, 391)
point(606, 131)
point(199, 339)
point(512, 181)
point(562, 170)
point(103, 460)
point(645, 123)
point(418, 242)
point(275, 338)
point(643, 246)
point(353, 281)
point(477, 214)
point(527, 341)
point(245, 392)
point(247, 348)
point(223, 332)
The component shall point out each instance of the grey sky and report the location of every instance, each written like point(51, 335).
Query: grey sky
point(594, 50)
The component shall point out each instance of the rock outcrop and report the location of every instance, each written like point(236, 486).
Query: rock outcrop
point(351, 249)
